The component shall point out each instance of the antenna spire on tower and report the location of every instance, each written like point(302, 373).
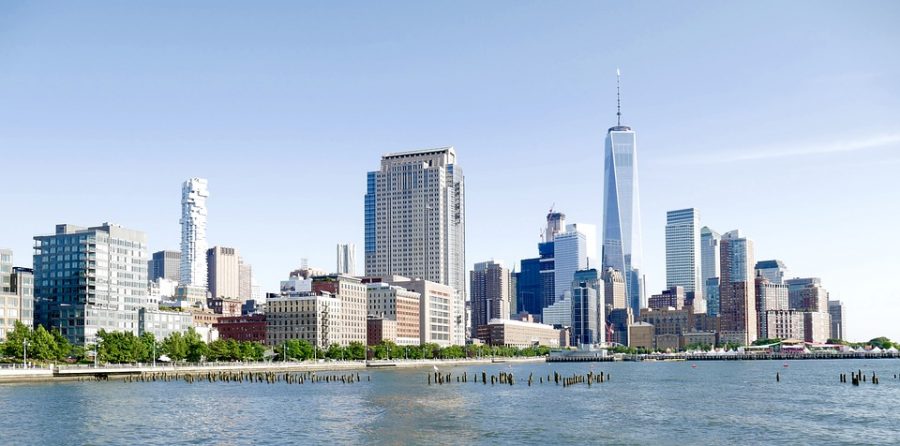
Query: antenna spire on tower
point(618, 99)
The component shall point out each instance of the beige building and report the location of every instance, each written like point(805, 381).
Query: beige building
point(399, 305)
point(511, 333)
point(489, 284)
point(784, 324)
point(245, 280)
point(224, 272)
point(737, 295)
point(816, 326)
point(438, 320)
point(614, 285)
point(640, 334)
point(316, 319)
point(353, 295)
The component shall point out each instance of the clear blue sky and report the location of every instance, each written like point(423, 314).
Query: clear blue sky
point(779, 118)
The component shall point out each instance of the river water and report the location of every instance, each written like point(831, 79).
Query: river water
point(706, 402)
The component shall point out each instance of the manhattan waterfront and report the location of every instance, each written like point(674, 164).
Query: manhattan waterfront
point(641, 403)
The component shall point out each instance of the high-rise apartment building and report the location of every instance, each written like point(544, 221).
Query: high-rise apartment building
point(16, 294)
point(709, 266)
point(346, 259)
point(773, 270)
point(87, 279)
point(415, 223)
point(737, 296)
point(614, 284)
point(165, 265)
point(683, 250)
point(836, 311)
point(489, 284)
point(194, 193)
point(622, 241)
point(224, 272)
point(769, 296)
point(807, 294)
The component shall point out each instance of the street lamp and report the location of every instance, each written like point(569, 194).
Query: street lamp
point(24, 353)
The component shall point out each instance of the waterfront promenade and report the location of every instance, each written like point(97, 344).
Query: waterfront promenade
point(18, 373)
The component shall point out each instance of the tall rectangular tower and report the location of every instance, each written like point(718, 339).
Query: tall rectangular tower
point(165, 265)
point(709, 268)
point(415, 223)
point(683, 254)
point(224, 272)
point(346, 259)
point(490, 293)
point(194, 193)
point(737, 295)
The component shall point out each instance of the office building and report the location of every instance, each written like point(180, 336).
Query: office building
point(784, 324)
point(194, 193)
point(346, 259)
point(397, 304)
point(683, 260)
point(436, 312)
point(570, 255)
point(773, 270)
point(559, 314)
point(16, 294)
point(712, 296)
point(165, 265)
point(88, 279)
point(816, 326)
point(530, 296)
point(586, 313)
point(316, 319)
point(737, 295)
point(489, 284)
point(224, 272)
point(640, 335)
point(519, 334)
point(622, 240)
point(836, 311)
point(709, 260)
point(415, 223)
point(617, 325)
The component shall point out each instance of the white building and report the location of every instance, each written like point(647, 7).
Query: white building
point(194, 193)
point(560, 313)
point(709, 261)
point(316, 319)
point(437, 316)
point(346, 259)
point(570, 255)
point(415, 223)
point(163, 323)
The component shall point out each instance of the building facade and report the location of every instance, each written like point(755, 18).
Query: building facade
point(437, 320)
point(88, 279)
point(353, 295)
point(16, 294)
point(512, 333)
point(614, 284)
point(250, 328)
point(245, 280)
point(569, 255)
point(415, 223)
point(316, 319)
point(165, 265)
point(737, 295)
point(193, 269)
point(397, 304)
point(709, 262)
point(670, 298)
point(773, 270)
point(489, 284)
point(683, 260)
point(163, 323)
point(836, 311)
point(769, 296)
point(224, 272)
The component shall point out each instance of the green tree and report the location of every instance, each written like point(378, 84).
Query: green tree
point(254, 351)
point(13, 345)
point(42, 345)
point(881, 342)
point(150, 347)
point(63, 346)
point(357, 351)
point(175, 346)
point(196, 348)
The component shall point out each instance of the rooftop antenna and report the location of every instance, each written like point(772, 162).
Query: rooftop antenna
point(618, 99)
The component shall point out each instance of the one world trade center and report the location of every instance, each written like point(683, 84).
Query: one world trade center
point(622, 247)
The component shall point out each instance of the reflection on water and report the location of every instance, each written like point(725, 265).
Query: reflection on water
point(649, 403)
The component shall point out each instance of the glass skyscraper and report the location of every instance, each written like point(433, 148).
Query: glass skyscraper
point(622, 244)
point(683, 254)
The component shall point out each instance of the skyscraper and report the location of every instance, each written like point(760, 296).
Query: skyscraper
point(415, 223)
point(16, 294)
point(224, 272)
point(836, 310)
point(737, 296)
point(570, 255)
point(346, 259)
point(489, 285)
point(622, 242)
point(683, 254)
point(709, 268)
point(99, 283)
point(194, 193)
point(245, 285)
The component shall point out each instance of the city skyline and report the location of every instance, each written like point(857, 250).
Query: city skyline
point(757, 140)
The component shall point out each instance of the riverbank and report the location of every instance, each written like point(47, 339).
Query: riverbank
point(79, 372)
